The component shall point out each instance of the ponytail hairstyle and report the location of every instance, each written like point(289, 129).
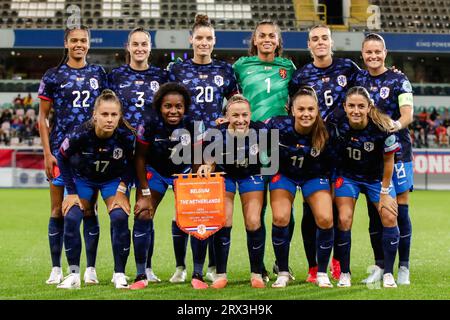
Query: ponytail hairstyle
point(382, 120)
point(108, 95)
point(138, 29)
point(237, 98)
point(253, 50)
point(319, 133)
point(67, 32)
point(201, 20)
point(374, 37)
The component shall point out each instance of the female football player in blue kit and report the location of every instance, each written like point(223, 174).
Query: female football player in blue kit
point(70, 90)
point(158, 140)
point(392, 94)
point(98, 157)
point(209, 82)
point(240, 138)
point(135, 83)
point(365, 150)
point(303, 163)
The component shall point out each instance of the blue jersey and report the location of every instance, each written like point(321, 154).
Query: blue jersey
point(241, 157)
point(166, 141)
point(298, 159)
point(386, 91)
point(136, 89)
point(360, 152)
point(86, 156)
point(331, 85)
point(208, 85)
point(73, 93)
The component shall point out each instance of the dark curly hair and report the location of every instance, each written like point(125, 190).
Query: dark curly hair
point(168, 88)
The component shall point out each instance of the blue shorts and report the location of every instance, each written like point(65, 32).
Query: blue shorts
point(157, 182)
point(248, 184)
point(403, 177)
point(86, 189)
point(345, 187)
point(58, 182)
point(308, 187)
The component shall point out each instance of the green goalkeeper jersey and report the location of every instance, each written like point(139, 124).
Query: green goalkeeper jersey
point(264, 84)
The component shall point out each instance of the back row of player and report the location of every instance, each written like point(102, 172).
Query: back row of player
point(265, 79)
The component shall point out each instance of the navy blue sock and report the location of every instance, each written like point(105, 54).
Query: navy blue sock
point(336, 229)
point(120, 239)
point(391, 238)
point(72, 236)
point(255, 244)
point(211, 252)
point(180, 240)
point(150, 249)
point(141, 241)
point(343, 245)
point(405, 227)
point(91, 232)
point(325, 241)
point(291, 224)
point(263, 231)
point(55, 239)
point(199, 248)
point(222, 241)
point(376, 234)
point(309, 235)
point(281, 245)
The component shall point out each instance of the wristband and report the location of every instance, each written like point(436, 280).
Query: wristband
point(384, 190)
point(146, 192)
point(122, 189)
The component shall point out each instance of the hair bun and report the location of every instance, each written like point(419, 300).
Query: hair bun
point(202, 19)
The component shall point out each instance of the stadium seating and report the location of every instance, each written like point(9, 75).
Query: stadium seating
point(429, 16)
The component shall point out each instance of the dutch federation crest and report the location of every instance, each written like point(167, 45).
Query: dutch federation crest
point(283, 73)
point(185, 139)
point(314, 152)
point(94, 83)
point(342, 80)
point(218, 80)
point(154, 85)
point(369, 146)
point(384, 92)
point(254, 150)
point(117, 153)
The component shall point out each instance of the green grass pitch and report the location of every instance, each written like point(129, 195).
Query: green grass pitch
point(25, 258)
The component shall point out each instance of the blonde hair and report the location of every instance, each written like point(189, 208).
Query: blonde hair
point(319, 132)
point(237, 98)
point(382, 120)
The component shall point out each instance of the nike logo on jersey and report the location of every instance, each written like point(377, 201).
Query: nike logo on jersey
point(158, 139)
point(123, 86)
point(87, 153)
point(400, 183)
point(186, 81)
point(251, 71)
point(65, 85)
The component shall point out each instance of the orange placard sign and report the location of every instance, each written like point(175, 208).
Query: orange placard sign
point(199, 204)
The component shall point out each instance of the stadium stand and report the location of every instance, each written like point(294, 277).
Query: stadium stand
point(424, 16)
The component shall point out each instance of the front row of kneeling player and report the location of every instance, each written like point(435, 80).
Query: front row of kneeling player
point(354, 156)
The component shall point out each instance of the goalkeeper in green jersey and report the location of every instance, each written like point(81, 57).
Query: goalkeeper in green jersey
point(263, 78)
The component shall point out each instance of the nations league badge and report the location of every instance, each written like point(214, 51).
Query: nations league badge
point(314, 152)
point(384, 92)
point(94, 83)
point(154, 85)
point(185, 140)
point(369, 146)
point(254, 150)
point(117, 153)
point(342, 80)
point(218, 80)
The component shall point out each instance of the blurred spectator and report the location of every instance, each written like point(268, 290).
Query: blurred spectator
point(441, 136)
point(18, 102)
point(28, 101)
point(5, 132)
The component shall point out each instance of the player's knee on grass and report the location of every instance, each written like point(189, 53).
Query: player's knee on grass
point(387, 218)
point(324, 222)
point(345, 222)
point(281, 220)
